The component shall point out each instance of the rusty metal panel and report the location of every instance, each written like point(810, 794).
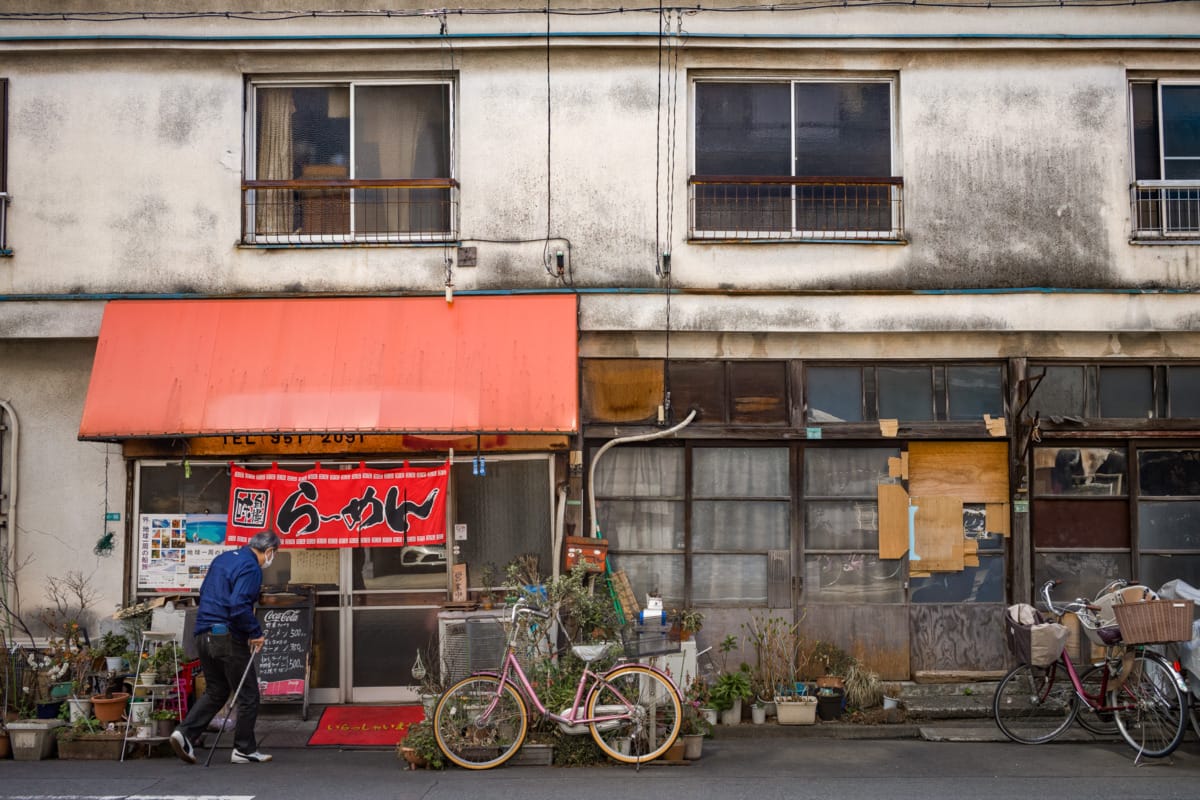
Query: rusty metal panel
point(621, 390)
point(876, 634)
point(417, 364)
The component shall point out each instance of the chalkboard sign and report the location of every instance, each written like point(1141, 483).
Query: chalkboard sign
point(287, 622)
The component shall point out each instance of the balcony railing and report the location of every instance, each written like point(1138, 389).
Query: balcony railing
point(1165, 210)
point(348, 211)
point(743, 207)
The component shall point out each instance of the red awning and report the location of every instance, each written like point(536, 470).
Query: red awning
point(504, 364)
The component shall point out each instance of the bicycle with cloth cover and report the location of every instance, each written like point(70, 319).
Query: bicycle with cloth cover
point(633, 711)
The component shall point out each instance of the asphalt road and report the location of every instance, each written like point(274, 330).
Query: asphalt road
point(750, 769)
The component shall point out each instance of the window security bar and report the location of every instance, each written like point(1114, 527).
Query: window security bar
point(1165, 210)
point(4, 200)
point(837, 208)
point(347, 211)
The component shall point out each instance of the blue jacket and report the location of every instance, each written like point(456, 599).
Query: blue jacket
point(228, 594)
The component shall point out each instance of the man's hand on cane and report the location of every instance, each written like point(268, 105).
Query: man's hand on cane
point(256, 644)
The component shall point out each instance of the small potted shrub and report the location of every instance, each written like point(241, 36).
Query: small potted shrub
point(728, 693)
point(112, 647)
point(419, 747)
point(164, 721)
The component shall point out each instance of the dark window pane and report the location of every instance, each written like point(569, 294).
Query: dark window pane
point(1157, 570)
point(1060, 393)
point(982, 584)
point(853, 578)
point(834, 394)
point(1169, 473)
point(905, 393)
point(1082, 574)
point(1145, 131)
point(846, 472)
point(759, 390)
point(743, 129)
point(975, 391)
point(1181, 121)
point(169, 489)
point(1079, 523)
point(375, 665)
point(1126, 392)
point(699, 385)
point(1168, 526)
point(843, 129)
point(1086, 471)
point(841, 525)
point(1184, 386)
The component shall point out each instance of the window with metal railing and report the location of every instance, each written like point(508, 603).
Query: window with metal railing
point(1165, 194)
point(349, 163)
point(805, 159)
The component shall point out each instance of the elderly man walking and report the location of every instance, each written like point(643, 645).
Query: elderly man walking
point(227, 636)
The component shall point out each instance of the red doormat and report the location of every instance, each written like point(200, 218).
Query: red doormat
point(364, 726)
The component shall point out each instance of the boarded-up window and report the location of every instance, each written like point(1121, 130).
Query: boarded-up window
point(1081, 524)
point(699, 385)
point(621, 390)
point(759, 391)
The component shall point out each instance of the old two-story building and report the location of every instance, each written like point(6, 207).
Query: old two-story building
point(896, 304)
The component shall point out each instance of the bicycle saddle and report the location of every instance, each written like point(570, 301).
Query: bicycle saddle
point(589, 652)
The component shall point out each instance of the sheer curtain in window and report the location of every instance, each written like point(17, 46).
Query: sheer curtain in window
point(273, 213)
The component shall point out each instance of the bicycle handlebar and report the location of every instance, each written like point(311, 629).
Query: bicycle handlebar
point(522, 607)
point(1073, 607)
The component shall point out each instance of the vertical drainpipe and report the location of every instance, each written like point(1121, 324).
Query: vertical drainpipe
point(12, 504)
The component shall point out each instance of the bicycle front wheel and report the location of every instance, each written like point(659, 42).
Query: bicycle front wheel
point(1151, 710)
point(480, 723)
point(647, 714)
point(1095, 684)
point(1033, 705)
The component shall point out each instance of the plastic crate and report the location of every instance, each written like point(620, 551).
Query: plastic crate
point(1155, 621)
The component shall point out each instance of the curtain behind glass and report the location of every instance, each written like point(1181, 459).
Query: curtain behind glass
point(273, 212)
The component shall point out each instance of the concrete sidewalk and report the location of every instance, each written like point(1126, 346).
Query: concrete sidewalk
point(938, 712)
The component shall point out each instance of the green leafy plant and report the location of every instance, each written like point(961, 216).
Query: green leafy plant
point(689, 620)
point(113, 644)
point(421, 739)
point(164, 713)
point(731, 687)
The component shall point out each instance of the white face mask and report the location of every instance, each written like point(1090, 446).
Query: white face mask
point(270, 557)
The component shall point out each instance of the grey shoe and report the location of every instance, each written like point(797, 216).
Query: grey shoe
point(256, 757)
point(182, 747)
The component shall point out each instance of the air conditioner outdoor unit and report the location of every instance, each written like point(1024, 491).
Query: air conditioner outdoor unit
point(470, 641)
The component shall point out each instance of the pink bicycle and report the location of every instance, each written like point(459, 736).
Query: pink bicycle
point(633, 711)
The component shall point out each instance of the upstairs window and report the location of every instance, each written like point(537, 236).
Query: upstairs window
point(349, 162)
point(809, 159)
point(1166, 158)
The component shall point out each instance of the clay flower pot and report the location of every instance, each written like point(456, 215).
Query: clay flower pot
point(109, 709)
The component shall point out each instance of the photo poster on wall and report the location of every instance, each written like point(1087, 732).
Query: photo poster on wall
point(175, 550)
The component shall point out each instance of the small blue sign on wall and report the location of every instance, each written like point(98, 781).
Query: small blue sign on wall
point(812, 433)
point(112, 516)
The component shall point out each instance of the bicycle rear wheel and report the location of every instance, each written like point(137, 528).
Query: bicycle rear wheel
point(1102, 723)
point(1155, 712)
point(654, 714)
point(1033, 705)
point(480, 724)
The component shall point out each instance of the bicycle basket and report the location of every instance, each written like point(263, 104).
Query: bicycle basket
point(1032, 640)
point(1154, 621)
point(642, 641)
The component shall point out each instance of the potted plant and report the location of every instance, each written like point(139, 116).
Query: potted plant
point(891, 696)
point(419, 747)
point(164, 721)
point(730, 689)
point(88, 739)
point(112, 647)
point(685, 622)
point(167, 659)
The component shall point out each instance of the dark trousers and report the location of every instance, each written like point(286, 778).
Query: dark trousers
point(223, 660)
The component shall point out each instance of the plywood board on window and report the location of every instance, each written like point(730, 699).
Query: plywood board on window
point(939, 533)
point(996, 515)
point(974, 472)
point(957, 637)
point(893, 520)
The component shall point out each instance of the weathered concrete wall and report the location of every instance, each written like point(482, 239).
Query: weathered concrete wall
point(59, 483)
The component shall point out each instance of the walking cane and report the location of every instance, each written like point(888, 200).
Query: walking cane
point(232, 703)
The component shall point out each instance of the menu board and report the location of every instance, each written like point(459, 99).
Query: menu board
point(287, 620)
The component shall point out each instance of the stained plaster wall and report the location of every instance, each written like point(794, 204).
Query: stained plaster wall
point(60, 482)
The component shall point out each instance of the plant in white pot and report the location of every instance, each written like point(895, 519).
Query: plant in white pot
point(728, 693)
